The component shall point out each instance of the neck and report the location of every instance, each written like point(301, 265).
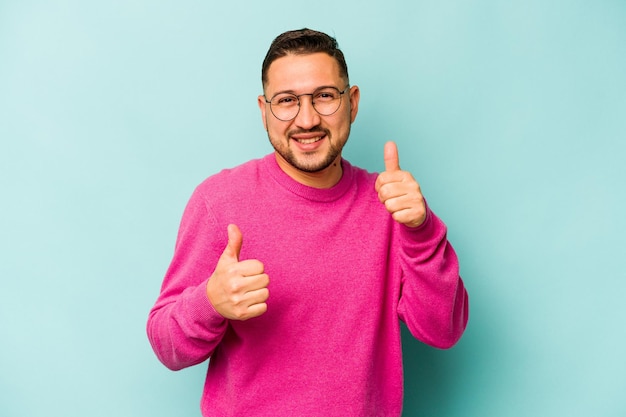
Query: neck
point(325, 178)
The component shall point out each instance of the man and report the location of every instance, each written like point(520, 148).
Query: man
point(291, 272)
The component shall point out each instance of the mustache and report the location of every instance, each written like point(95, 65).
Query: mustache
point(315, 130)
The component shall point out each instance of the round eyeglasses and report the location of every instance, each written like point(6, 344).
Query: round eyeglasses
point(325, 100)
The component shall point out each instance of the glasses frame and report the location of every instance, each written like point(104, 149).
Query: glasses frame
point(297, 96)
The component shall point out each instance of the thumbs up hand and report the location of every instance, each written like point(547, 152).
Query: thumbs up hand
point(238, 289)
point(399, 191)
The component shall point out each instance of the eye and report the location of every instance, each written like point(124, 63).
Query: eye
point(285, 100)
point(326, 95)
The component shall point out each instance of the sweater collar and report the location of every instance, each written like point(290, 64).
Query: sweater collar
point(304, 191)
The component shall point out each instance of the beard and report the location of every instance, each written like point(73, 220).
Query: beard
point(311, 162)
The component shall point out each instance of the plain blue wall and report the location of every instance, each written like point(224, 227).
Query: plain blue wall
point(512, 115)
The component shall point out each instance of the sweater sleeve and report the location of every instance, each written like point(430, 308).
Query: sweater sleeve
point(183, 327)
point(433, 300)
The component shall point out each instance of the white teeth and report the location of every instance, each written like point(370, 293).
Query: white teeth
point(308, 141)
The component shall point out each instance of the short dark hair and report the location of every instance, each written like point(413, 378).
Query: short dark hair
point(302, 42)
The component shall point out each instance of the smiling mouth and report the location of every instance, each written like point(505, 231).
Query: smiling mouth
point(308, 141)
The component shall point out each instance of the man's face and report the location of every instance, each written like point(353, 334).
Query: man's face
point(310, 143)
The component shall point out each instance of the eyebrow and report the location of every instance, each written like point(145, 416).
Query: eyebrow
point(295, 94)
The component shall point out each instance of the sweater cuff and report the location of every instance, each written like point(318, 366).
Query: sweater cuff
point(423, 228)
point(200, 308)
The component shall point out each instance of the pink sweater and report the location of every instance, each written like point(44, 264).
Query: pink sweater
point(342, 274)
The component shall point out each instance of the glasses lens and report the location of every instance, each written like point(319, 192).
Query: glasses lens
point(285, 106)
point(326, 101)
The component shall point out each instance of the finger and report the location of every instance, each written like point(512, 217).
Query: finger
point(256, 310)
point(410, 217)
point(248, 309)
point(249, 268)
point(253, 304)
point(392, 162)
point(406, 209)
point(235, 239)
point(258, 296)
point(248, 282)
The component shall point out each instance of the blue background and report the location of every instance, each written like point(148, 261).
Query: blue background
point(511, 114)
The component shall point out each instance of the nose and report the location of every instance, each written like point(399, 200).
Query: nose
point(307, 117)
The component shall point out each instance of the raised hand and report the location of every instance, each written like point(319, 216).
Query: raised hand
point(399, 191)
point(238, 289)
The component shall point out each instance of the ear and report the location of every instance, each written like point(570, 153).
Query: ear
point(355, 95)
point(263, 107)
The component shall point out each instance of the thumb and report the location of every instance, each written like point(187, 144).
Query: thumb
point(234, 243)
point(392, 162)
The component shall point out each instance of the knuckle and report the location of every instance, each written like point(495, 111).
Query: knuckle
point(240, 316)
point(236, 300)
point(234, 286)
point(232, 270)
point(241, 313)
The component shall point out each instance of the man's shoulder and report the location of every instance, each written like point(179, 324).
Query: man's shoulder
point(361, 175)
point(246, 169)
point(232, 180)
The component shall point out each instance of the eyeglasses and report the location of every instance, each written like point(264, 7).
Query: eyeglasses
point(325, 100)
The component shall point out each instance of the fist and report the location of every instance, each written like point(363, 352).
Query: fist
point(238, 289)
point(399, 191)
